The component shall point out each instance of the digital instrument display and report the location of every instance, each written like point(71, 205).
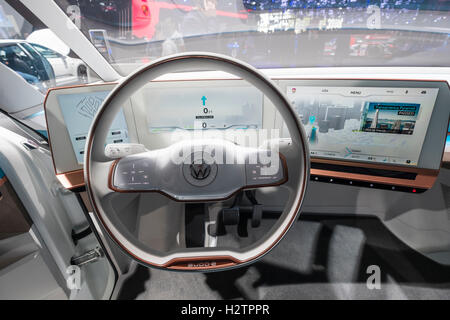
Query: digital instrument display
point(371, 124)
point(238, 107)
point(79, 110)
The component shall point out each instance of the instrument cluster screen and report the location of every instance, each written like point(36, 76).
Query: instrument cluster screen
point(218, 108)
point(383, 125)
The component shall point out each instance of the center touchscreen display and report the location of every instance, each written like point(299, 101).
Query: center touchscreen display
point(383, 125)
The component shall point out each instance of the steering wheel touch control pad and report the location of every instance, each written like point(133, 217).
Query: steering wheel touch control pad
point(198, 170)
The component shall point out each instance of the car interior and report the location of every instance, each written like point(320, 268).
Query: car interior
point(239, 150)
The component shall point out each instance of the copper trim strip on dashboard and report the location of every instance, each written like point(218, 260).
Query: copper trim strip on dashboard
point(373, 165)
point(71, 180)
point(425, 177)
point(421, 181)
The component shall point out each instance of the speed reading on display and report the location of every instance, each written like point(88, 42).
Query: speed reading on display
point(203, 108)
point(207, 114)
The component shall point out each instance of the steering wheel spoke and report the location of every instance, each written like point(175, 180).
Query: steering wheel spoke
point(100, 171)
point(198, 170)
point(265, 168)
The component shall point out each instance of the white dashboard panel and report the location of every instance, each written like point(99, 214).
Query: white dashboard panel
point(139, 111)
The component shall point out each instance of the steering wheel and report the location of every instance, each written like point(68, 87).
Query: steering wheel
point(199, 177)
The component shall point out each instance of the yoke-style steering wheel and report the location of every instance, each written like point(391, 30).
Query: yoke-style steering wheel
point(199, 177)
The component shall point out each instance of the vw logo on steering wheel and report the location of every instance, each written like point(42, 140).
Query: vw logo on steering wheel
point(200, 171)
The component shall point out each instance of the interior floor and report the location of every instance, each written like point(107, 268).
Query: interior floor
point(322, 257)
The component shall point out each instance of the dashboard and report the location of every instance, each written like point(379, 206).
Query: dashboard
point(387, 134)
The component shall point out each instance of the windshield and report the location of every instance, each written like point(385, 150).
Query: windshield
point(269, 33)
point(35, 53)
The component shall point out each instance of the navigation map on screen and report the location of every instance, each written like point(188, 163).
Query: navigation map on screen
point(79, 110)
point(386, 125)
